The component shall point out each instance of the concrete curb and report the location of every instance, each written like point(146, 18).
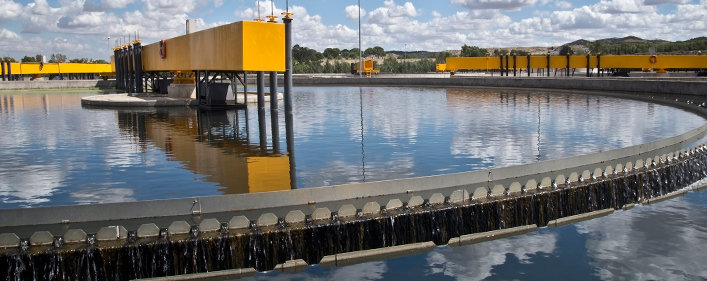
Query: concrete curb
point(376, 254)
point(491, 235)
point(581, 217)
point(213, 275)
point(664, 197)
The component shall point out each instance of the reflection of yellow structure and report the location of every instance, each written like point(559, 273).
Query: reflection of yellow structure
point(233, 163)
point(37, 102)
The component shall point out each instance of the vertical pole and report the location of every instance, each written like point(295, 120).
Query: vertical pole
point(589, 74)
point(548, 64)
point(567, 69)
point(289, 119)
point(124, 57)
point(2, 65)
point(197, 82)
point(274, 115)
point(131, 70)
point(514, 65)
point(261, 110)
point(500, 64)
point(118, 75)
point(245, 89)
point(207, 89)
point(528, 56)
point(360, 60)
point(599, 66)
point(507, 70)
point(9, 71)
point(138, 66)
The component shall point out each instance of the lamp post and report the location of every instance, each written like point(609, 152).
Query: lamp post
point(360, 59)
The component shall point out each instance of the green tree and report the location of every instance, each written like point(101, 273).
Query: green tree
point(441, 57)
point(520, 52)
point(375, 51)
point(566, 50)
point(8, 59)
point(473, 51)
point(331, 53)
point(28, 59)
point(54, 58)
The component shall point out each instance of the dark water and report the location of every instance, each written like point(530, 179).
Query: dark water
point(664, 241)
point(56, 152)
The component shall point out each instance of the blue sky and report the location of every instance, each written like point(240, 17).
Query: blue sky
point(80, 28)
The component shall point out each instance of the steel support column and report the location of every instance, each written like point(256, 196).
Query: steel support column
point(137, 49)
point(274, 115)
point(262, 131)
point(289, 122)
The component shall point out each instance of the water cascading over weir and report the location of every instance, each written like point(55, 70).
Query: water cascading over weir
point(235, 235)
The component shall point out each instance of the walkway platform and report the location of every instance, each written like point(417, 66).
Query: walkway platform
point(141, 100)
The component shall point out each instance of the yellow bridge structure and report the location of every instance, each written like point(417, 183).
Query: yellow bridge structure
point(513, 63)
point(15, 70)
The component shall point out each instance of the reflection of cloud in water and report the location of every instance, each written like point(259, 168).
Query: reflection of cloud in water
point(29, 185)
point(103, 195)
point(342, 172)
point(656, 242)
point(475, 262)
point(365, 271)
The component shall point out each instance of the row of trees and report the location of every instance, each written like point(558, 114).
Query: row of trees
point(53, 58)
point(335, 60)
point(630, 48)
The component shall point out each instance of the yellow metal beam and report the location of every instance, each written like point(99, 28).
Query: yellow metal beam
point(57, 68)
point(239, 46)
point(620, 62)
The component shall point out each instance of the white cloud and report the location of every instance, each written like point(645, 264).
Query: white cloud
point(623, 7)
point(104, 5)
point(475, 262)
point(563, 5)
point(494, 4)
point(352, 12)
point(8, 35)
point(392, 13)
point(10, 10)
point(652, 250)
point(661, 2)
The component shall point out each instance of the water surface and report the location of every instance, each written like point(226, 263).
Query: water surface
point(56, 152)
